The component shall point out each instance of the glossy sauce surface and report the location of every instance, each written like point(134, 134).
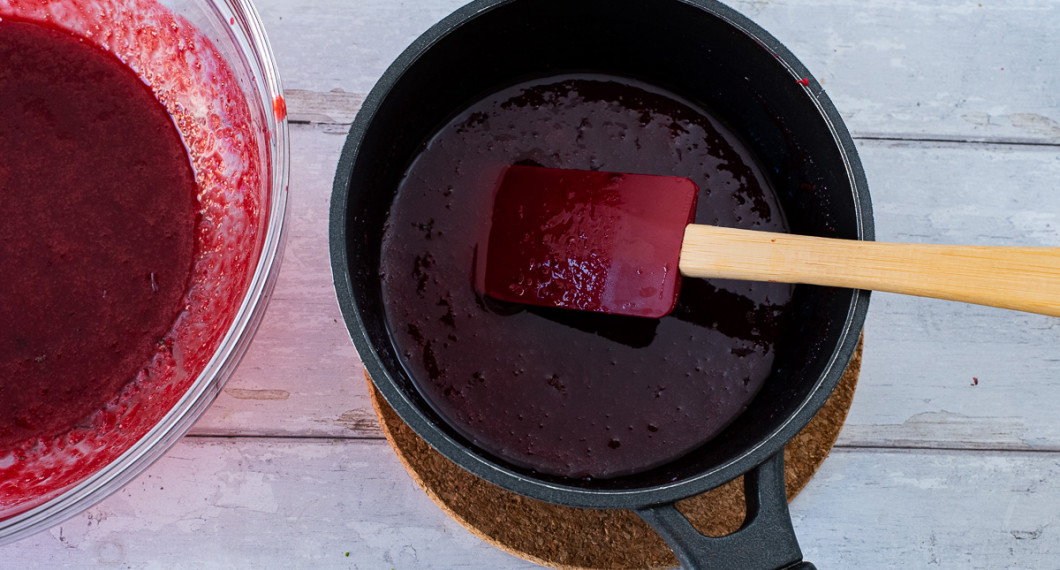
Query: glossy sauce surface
point(98, 210)
point(568, 393)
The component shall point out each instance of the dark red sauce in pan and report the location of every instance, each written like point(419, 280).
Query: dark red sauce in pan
point(97, 229)
point(563, 392)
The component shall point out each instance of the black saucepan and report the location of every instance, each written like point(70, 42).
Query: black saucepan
point(708, 53)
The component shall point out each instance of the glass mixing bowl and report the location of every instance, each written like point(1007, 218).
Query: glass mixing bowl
point(210, 64)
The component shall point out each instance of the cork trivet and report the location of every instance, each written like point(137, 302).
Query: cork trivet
point(570, 538)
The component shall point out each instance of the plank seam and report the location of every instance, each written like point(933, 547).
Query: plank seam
point(846, 447)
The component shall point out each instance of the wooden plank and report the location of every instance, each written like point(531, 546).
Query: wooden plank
point(943, 374)
point(952, 69)
point(328, 44)
point(924, 509)
point(925, 69)
point(253, 503)
point(333, 107)
point(301, 376)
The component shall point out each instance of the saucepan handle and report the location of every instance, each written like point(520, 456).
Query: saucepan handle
point(766, 540)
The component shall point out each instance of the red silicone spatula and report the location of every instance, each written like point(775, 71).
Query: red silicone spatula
point(615, 243)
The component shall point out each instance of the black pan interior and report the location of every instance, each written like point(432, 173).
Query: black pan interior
point(672, 44)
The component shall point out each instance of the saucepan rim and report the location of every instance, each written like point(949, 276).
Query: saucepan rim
point(351, 306)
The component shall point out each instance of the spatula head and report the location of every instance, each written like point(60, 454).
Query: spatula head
point(585, 240)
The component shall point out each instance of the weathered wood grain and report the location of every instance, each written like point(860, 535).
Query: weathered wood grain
point(930, 509)
point(949, 455)
point(941, 374)
point(261, 503)
point(332, 107)
point(302, 349)
point(948, 69)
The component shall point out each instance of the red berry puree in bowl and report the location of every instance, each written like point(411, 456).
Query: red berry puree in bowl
point(97, 198)
point(133, 201)
point(564, 392)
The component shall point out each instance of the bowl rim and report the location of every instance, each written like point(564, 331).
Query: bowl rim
point(172, 427)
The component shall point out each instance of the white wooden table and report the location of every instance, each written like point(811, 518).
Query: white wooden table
point(950, 457)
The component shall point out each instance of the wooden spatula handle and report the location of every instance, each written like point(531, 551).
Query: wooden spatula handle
point(1020, 278)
